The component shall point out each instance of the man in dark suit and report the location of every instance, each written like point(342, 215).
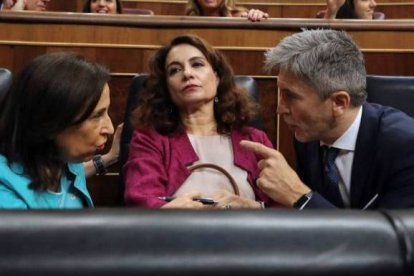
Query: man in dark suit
point(350, 153)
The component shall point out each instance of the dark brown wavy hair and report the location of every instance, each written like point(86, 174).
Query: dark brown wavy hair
point(347, 10)
point(234, 108)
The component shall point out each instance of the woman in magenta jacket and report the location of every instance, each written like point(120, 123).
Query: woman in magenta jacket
point(192, 112)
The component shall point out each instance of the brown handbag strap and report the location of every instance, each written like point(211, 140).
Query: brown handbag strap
point(220, 169)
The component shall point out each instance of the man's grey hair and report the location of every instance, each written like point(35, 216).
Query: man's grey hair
point(326, 60)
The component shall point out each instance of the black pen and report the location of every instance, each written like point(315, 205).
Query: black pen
point(204, 200)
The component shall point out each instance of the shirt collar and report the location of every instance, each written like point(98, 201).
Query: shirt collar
point(347, 141)
point(71, 168)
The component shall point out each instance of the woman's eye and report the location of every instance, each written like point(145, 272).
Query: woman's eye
point(198, 64)
point(97, 115)
point(173, 70)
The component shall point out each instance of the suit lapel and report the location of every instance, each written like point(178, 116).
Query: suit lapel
point(183, 151)
point(315, 166)
point(364, 158)
point(246, 160)
point(242, 157)
point(182, 155)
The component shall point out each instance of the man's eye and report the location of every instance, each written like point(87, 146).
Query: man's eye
point(287, 95)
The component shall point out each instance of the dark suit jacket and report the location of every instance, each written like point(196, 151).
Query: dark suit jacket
point(383, 162)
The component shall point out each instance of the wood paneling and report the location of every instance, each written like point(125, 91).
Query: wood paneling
point(65, 5)
point(106, 191)
point(125, 43)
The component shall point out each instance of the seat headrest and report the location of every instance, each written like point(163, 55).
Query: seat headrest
point(5, 81)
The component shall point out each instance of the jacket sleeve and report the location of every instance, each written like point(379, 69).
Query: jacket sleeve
point(145, 173)
point(398, 185)
point(319, 202)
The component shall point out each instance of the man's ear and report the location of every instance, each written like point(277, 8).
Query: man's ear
point(341, 101)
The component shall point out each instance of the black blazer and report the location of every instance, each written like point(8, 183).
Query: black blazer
point(383, 162)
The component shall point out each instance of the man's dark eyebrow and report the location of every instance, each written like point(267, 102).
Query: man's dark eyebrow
point(285, 90)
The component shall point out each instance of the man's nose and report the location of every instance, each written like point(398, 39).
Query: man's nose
point(281, 107)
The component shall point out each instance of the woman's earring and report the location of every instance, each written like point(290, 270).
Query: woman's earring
point(216, 100)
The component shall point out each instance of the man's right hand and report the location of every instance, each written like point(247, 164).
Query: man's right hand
point(277, 179)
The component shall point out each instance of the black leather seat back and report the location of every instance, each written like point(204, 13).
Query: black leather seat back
point(135, 88)
point(403, 222)
point(160, 242)
point(250, 85)
point(5, 81)
point(394, 91)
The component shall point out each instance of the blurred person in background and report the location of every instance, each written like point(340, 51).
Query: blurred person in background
point(103, 6)
point(352, 9)
point(29, 5)
point(225, 8)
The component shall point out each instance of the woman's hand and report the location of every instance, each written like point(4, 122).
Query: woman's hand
point(255, 15)
point(16, 5)
point(107, 159)
point(227, 200)
point(113, 153)
point(9, 3)
point(185, 201)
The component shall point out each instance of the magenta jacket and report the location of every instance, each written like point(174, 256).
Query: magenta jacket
point(157, 164)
